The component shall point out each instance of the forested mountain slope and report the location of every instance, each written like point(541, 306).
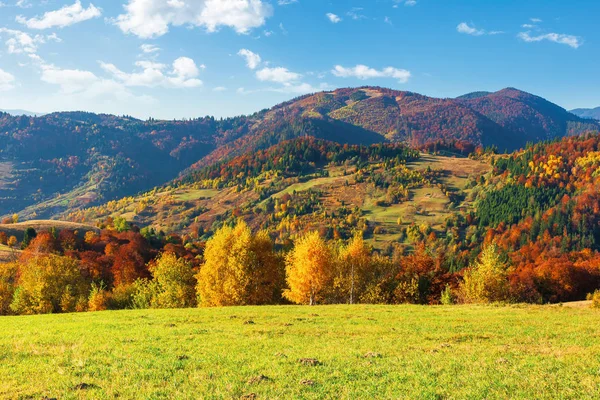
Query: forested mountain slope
point(64, 161)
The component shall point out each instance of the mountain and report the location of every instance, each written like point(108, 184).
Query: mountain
point(593, 113)
point(473, 95)
point(61, 162)
point(530, 118)
point(22, 112)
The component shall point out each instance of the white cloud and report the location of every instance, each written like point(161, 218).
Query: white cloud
point(282, 28)
point(152, 18)
point(333, 18)
point(21, 42)
point(363, 72)
point(253, 60)
point(23, 4)
point(289, 88)
point(410, 3)
point(7, 81)
point(355, 13)
point(536, 20)
point(286, 2)
point(183, 74)
point(149, 48)
point(570, 40)
point(463, 27)
point(528, 26)
point(66, 16)
point(219, 89)
point(278, 75)
point(69, 80)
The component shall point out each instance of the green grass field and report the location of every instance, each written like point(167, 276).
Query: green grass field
point(461, 352)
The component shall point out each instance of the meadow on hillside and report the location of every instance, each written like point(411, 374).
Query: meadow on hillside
point(347, 352)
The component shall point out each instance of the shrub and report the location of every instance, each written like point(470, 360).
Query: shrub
point(595, 298)
point(99, 298)
point(447, 298)
point(121, 297)
point(144, 291)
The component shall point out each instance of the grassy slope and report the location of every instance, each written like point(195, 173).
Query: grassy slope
point(424, 352)
point(19, 229)
point(168, 208)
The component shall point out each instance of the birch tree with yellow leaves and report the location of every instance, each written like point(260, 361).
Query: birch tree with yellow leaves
point(309, 269)
point(239, 269)
point(354, 261)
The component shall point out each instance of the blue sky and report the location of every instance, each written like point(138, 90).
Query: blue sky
point(190, 58)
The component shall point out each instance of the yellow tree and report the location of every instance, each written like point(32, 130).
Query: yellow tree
point(49, 283)
point(12, 241)
point(309, 269)
point(8, 276)
point(239, 269)
point(175, 282)
point(486, 281)
point(353, 264)
point(266, 272)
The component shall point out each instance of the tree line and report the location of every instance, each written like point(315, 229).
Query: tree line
point(66, 272)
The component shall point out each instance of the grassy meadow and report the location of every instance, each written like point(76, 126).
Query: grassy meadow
point(348, 352)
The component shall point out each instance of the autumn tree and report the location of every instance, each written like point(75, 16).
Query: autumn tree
point(49, 283)
point(8, 276)
point(239, 269)
point(353, 263)
point(174, 282)
point(487, 280)
point(12, 241)
point(309, 268)
point(267, 275)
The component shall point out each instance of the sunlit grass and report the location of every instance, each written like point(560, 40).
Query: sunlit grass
point(363, 352)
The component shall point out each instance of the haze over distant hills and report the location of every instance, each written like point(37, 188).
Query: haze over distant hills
point(22, 112)
point(593, 113)
point(60, 162)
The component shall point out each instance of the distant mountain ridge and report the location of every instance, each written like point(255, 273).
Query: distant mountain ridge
point(22, 112)
point(593, 113)
point(63, 161)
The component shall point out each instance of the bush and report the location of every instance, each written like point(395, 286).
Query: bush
point(595, 298)
point(121, 297)
point(99, 298)
point(447, 298)
point(144, 291)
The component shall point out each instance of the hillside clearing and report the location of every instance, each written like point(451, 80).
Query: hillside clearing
point(305, 352)
point(44, 225)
